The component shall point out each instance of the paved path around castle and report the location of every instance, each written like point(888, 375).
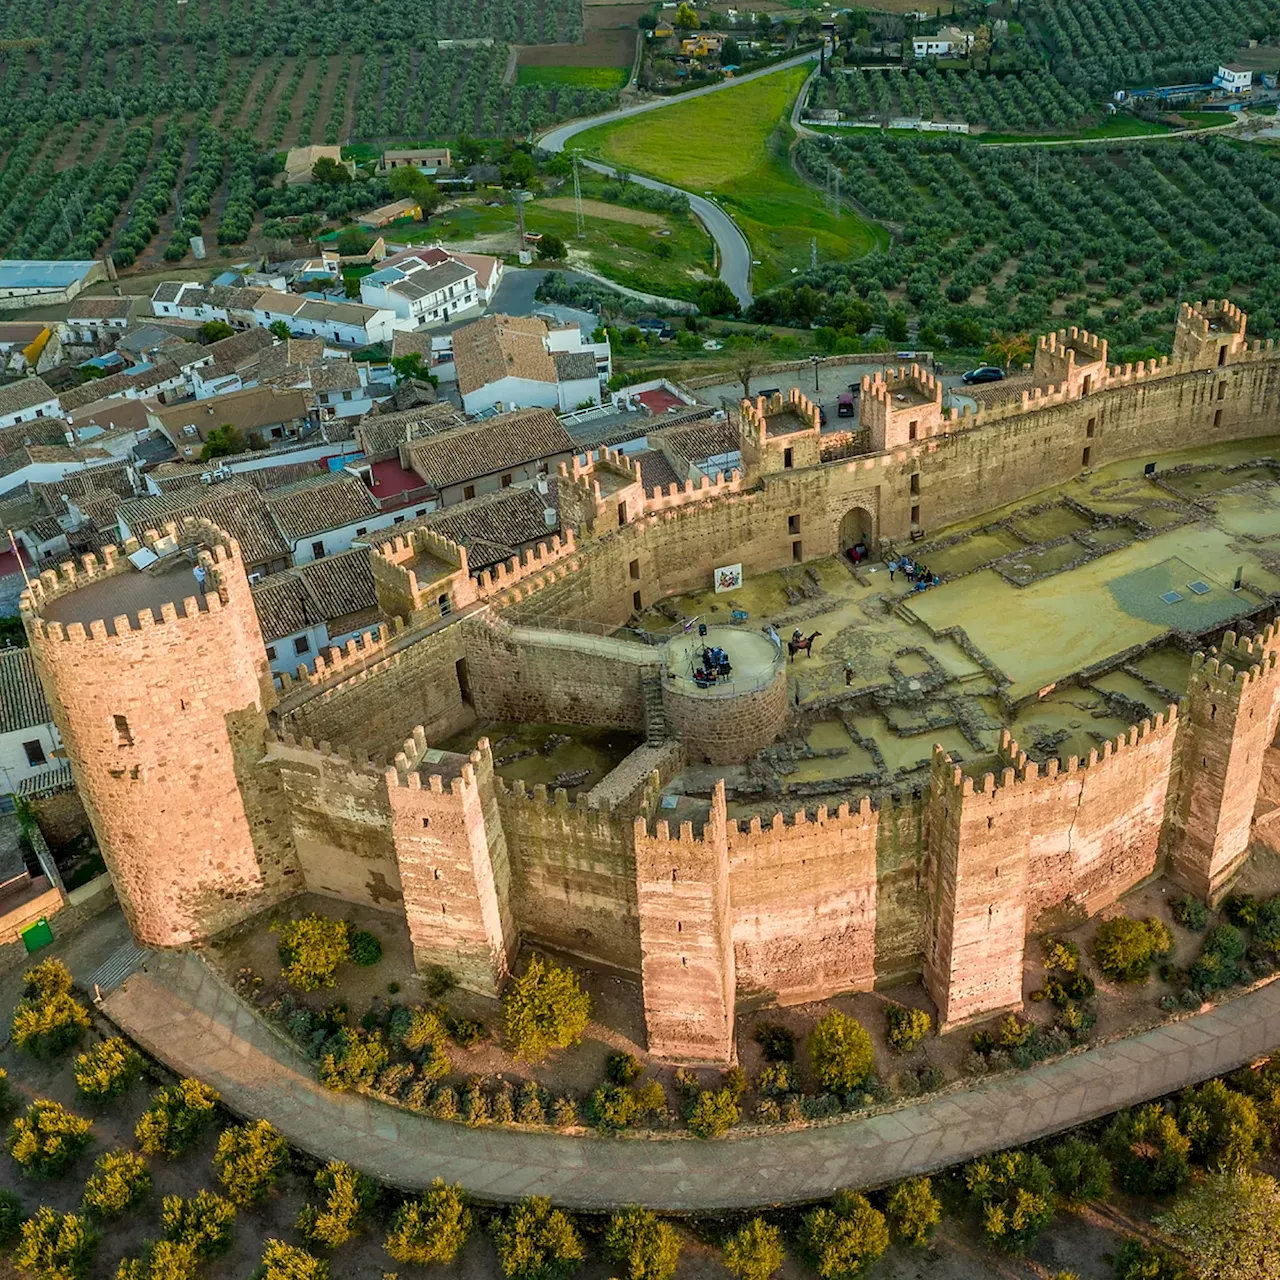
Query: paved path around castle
point(188, 1018)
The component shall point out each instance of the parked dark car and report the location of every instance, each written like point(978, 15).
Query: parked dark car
point(987, 373)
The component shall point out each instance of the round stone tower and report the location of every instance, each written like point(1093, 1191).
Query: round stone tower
point(154, 666)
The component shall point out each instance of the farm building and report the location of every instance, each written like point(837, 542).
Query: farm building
point(31, 283)
point(389, 213)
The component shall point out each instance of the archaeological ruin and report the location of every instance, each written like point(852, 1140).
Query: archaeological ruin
point(1094, 668)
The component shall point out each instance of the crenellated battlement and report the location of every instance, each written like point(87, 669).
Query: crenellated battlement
point(901, 407)
point(216, 553)
point(682, 495)
point(1210, 334)
point(557, 555)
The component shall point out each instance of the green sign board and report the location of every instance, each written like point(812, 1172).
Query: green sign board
point(37, 935)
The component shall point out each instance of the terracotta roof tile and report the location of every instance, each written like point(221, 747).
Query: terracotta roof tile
point(509, 440)
point(22, 702)
point(318, 504)
point(498, 347)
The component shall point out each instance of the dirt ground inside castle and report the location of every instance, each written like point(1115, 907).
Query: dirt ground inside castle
point(1064, 619)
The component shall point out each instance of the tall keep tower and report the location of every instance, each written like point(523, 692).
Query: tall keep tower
point(159, 684)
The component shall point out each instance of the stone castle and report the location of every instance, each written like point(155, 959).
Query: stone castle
point(216, 794)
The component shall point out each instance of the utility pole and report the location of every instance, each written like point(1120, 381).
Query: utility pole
point(813, 254)
point(519, 198)
point(579, 217)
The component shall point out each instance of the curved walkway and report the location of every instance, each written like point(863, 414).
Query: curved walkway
point(731, 245)
point(184, 1015)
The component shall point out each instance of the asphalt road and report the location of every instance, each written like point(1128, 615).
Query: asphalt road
point(731, 244)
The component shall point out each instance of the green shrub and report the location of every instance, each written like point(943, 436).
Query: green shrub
point(48, 1025)
point(11, 1217)
point(776, 1079)
point(47, 1138)
point(437, 980)
point(1014, 1192)
point(177, 1117)
point(1081, 1173)
point(1223, 1126)
point(610, 1108)
point(564, 1113)
point(713, 1112)
point(1014, 1032)
point(845, 1238)
point(56, 1246)
point(432, 1229)
point(464, 1032)
point(1190, 913)
point(755, 1252)
point(1147, 1151)
point(1125, 948)
point(1081, 987)
point(776, 1043)
point(536, 1242)
point(355, 1060)
point(913, 1211)
point(203, 1223)
point(312, 949)
point(646, 1247)
point(1061, 953)
point(1225, 1226)
point(1138, 1260)
point(161, 1260)
point(6, 1093)
point(346, 1199)
point(119, 1180)
point(544, 1009)
point(250, 1160)
point(1267, 931)
point(1225, 941)
point(532, 1110)
point(841, 1052)
point(282, 1261)
point(734, 1079)
point(366, 950)
point(108, 1069)
point(1241, 909)
point(622, 1068)
point(49, 978)
point(907, 1027)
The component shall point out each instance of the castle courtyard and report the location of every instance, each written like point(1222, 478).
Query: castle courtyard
point(1064, 619)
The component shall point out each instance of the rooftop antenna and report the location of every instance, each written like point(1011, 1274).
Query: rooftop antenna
point(577, 201)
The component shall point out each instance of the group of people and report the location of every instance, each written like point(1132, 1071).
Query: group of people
point(715, 666)
point(920, 576)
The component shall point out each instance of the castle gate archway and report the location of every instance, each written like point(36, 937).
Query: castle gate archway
point(858, 525)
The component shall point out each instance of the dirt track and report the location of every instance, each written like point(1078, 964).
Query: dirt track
point(609, 212)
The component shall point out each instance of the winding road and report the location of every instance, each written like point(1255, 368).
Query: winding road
point(731, 245)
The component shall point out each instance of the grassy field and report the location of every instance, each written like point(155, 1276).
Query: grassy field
point(662, 253)
point(610, 79)
point(734, 144)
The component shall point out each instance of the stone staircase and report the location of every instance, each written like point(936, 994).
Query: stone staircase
point(657, 730)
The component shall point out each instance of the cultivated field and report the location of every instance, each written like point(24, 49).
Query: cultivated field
point(735, 144)
point(1026, 239)
point(109, 118)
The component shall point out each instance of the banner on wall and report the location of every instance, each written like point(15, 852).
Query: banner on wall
point(729, 578)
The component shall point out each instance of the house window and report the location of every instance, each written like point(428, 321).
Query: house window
point(622, 514)
point(506, 481)
point(35, 753)
point(915, 515)
point(421, 511)
point(317, 549)
point(635, 571)
point(445, 607)
point(124, 736)
point(1222, 391)
point(1222, 354)
point(913, 430)
point(1217, 417)
point(793, 523)
point(635, 601)
point(1090, 427)
point(398, 520)
point(271, 653)
point(797, 553)
point(362, 531)
point(1084, 459)
point(301, 645)
point(787, 459)
point(915, 485)
point(468, 492)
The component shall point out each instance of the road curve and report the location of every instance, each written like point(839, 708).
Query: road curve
point(186, 1016)
point(731, 244)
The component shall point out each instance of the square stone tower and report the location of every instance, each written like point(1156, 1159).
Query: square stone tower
point(1074, 359)
point(900, 408)
point(780, 434)
point(1209, 335)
